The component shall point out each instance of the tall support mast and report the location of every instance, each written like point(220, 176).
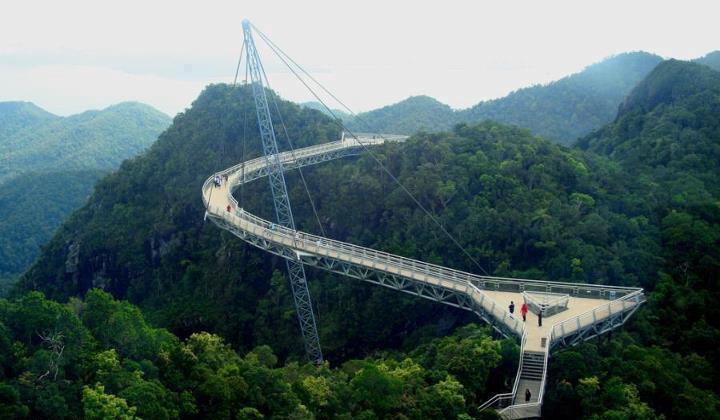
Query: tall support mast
point(283, 211)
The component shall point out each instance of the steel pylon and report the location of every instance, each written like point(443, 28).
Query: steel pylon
point(283, 210)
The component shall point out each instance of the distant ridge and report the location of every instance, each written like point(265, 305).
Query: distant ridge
point(15, 116)
point(49, 165)
point(711, 60)
point(561, 111)
point(669, 124)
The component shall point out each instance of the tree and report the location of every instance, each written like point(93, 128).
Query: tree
point(97, 405)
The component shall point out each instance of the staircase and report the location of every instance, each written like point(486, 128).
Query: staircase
point(531, 375)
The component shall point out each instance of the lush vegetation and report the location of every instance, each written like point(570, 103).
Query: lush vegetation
point(667, 139)
point(560, 111)
point(16, 116)
point(711, 59)
point(635, 204)
point(91, 140)
point(337, 113)
point(50, 165)
point(98, 358)
point(406, 117)
point(33, 205)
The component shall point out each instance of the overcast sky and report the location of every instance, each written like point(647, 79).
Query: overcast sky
point(69, 56)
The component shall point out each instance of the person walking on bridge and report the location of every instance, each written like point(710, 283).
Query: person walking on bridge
point(528, 394)
point(540, 318)
point(512, 307)
point(523, 311)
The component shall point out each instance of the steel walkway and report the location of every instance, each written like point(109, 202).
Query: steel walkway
point(592, 309)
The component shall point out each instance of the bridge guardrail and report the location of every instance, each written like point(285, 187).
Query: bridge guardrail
point(455, 279)
point(575, 324)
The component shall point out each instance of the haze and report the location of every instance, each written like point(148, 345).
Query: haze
point(75, 55)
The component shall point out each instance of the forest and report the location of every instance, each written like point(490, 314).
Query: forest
point(50, 165)
point(561, 111)
point(205, 324)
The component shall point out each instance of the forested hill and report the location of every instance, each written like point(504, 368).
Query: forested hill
point(711, 60)
point(519, 204)
point(91, 140)
point(15, 116)
point(320, 107)
point(49, 165)
point(560, 111)
point(406, 117)
point(670, 125)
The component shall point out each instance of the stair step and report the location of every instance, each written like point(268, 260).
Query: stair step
point(532, 367)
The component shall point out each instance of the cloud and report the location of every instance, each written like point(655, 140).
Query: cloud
point(78, 54)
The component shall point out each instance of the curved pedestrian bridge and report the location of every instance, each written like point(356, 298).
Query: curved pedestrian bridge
point(591, 309)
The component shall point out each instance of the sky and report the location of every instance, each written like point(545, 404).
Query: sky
point(75, 55)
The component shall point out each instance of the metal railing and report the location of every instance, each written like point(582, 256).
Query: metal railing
point(499, 401)
point(617, 306)
point(472, 285)
point(453, 279)
point(591, 317)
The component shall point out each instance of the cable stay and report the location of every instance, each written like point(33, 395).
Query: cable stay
point(286, 59)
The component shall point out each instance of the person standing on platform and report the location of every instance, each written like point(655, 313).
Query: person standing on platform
point(523, 311)
point(512, 307)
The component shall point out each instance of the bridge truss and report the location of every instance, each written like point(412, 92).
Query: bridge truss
point(592, 309)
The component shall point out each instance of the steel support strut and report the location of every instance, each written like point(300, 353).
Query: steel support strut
point(283, 211)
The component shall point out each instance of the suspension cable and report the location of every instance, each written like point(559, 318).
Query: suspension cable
point(237, 70)
point(244, 143)
point(292, 152)
point(367, 149)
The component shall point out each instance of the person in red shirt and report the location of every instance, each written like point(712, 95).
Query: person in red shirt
point(523, 311)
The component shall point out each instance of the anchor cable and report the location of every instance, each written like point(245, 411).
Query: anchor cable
point(367, 149)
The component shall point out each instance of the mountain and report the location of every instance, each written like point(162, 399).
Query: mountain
point(51, 163)
point(320, 107)
point(711, 60)
point(519, 204)
point(91, 140)
point(572, 106)
point(666, 139)
point(15, 116)
point(561, 111)
point(406, 117)
point(141, 236)
point(669, 125)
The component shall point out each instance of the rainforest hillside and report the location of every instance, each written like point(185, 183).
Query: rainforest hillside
point(667, 138)
point(519, 204)
point(561, 111)
point(50, 164)
point(16, 116)
point(711, 60)
point(91, 140)
point(98, 358)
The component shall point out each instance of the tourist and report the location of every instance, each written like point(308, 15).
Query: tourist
point(523, 311)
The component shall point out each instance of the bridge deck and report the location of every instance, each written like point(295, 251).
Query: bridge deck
point(591, 309)
point(535, 333)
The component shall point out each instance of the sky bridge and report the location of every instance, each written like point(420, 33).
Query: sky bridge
point(574, 312)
